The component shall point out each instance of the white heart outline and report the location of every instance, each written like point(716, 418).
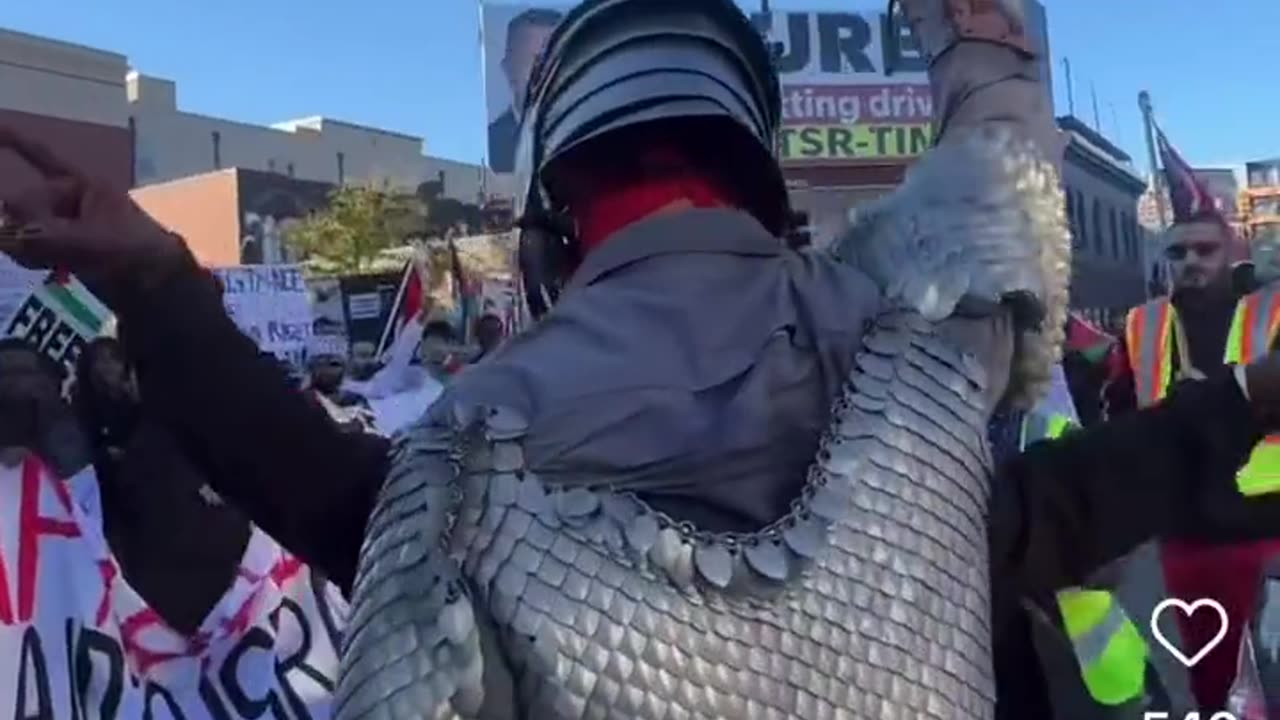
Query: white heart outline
point(1189, 609)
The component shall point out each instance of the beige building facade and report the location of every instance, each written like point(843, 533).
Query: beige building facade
point(122, 124)
point(69, 97)
point(172, 143)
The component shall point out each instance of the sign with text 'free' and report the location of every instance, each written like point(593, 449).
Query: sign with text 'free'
point(59, 317)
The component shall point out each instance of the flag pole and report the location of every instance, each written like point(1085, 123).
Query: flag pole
point(1071, 93)
point(1148, 123)
point(389, 328)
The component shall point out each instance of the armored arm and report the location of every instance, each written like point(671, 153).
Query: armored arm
point(981, 217)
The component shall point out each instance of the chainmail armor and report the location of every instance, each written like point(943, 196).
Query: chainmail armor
point(868, 600)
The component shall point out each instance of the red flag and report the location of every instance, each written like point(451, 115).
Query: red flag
point(1189, 197)
point(407, 305)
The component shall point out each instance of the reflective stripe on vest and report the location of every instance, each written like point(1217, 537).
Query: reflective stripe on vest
point(1149, 333)
point(1252, 331)
point(1108, 648)
point(1148, 338)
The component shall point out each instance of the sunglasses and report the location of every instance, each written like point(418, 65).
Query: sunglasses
point(1200, 249)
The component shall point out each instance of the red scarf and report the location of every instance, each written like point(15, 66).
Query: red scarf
point(603, 204)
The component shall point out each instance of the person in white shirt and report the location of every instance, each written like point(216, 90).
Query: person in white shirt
point(401, 391)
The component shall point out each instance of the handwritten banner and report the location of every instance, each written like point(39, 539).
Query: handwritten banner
point(77, 642)
point(272, 305)
point(59, 317)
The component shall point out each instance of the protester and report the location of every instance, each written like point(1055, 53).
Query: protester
point(33, 414)
point(441, 352)
point(489, 332)
point(716, 354)
point(327, 369)
point(400, 390)
point(132, 570)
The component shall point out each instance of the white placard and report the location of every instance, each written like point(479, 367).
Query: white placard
point(271, 304)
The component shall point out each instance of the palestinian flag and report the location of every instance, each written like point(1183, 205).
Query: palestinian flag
point(1087, 340)
point(1096, 347)
point(408, 304)
point(72, 300)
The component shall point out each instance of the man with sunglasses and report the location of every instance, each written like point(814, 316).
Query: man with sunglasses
point(1214, 316)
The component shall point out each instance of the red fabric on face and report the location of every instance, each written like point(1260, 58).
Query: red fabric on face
point(603, 204)
point(1228, 574)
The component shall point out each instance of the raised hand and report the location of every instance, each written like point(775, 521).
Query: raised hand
point(71, 222)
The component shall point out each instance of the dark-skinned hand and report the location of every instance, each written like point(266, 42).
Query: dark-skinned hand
point(74, 223)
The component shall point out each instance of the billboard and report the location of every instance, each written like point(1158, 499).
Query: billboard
point(839, 104)
point(854, 88)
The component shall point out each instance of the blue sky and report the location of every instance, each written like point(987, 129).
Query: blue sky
point(414, 65)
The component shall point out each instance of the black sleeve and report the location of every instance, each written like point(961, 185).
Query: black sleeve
point(279, 458)
point(1120, 394)
point(1066, 507)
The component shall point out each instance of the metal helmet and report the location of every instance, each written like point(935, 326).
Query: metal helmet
point(613, 65)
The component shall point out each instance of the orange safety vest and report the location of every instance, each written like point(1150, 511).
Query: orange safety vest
point(1152, 336)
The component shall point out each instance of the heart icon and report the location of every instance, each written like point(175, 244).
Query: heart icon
point(1189, 609)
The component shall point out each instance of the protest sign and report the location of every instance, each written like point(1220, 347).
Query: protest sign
point(77, 642)
point(59, 317)
point(271, 304)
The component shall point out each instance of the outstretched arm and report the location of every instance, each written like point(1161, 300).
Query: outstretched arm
point(279, 458)
point(1067, 507)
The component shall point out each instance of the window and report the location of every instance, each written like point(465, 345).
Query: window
point(217, 150)
point(1071, 217)
point(1082, 221)
point(1115, 235)
point(1131, 236)
point(1099, 240)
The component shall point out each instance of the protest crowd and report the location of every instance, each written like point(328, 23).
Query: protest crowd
point(666, 458)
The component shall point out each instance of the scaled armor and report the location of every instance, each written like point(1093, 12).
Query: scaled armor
point(870, 599)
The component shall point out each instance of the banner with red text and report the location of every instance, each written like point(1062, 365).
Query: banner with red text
point(77, 642)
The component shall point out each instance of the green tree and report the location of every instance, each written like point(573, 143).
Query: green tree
point(360, 222)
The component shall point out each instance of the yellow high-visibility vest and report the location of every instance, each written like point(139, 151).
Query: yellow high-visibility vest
point(1151, 333)
point(1108, 647)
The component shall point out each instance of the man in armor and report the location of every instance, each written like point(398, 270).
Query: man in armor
point(618, 514)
